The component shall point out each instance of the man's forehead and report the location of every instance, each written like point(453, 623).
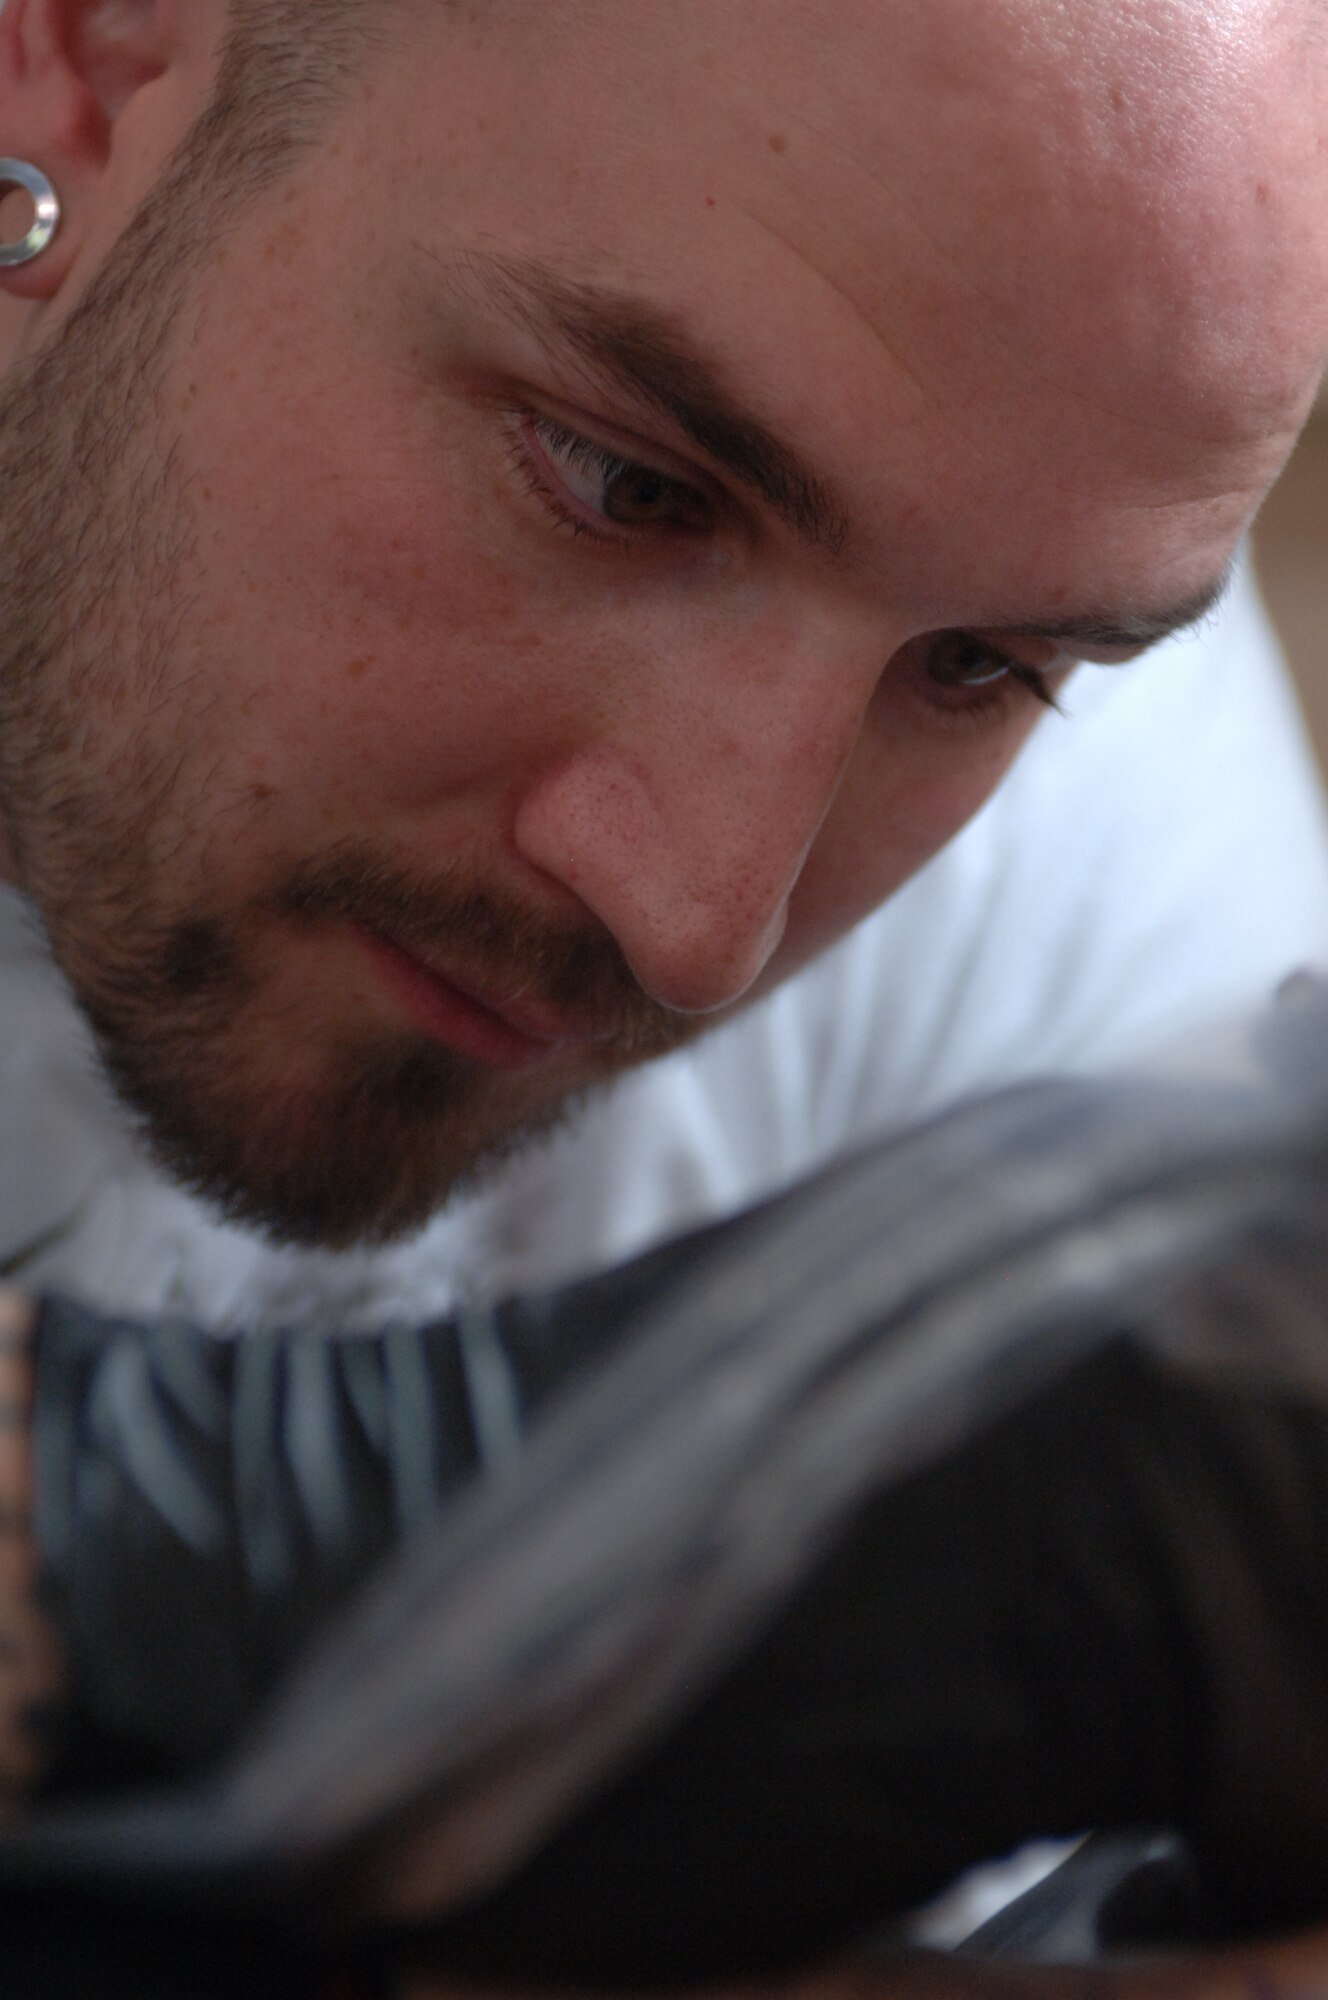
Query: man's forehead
point(623, 343)
point(1020, 156)
point(734, 198)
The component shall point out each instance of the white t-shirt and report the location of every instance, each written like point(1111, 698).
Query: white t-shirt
point(1156, 860)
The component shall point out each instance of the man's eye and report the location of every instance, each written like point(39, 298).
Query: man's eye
point(961, 660)
point(958, 660)
point(616, 489)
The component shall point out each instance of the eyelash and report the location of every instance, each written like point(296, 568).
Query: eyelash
point(533, 433)
point(534, 439)
point(979, 701)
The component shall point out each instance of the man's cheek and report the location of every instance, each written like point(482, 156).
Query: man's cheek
point(892, 816)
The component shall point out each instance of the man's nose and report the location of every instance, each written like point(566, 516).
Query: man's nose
point(687, 858)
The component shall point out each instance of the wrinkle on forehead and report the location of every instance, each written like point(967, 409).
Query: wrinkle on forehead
point(1102, 200)
point(1062, 147)
point(1010, 212)
point(961, 350)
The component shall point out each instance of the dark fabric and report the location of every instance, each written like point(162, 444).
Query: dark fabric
point(1095, 1615)
point(71, 1945)
point(1082, 1619)
point(976, 1491)
point(205, 1505)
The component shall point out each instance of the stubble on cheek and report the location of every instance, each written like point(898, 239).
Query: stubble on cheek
point(274, 1114)
point(268, 1078)
point(258, 1077)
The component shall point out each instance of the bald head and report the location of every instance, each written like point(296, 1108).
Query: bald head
point(1126, 190)
point(589, 495)
point(1186, 139)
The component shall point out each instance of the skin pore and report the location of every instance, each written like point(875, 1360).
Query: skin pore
point(557, 556)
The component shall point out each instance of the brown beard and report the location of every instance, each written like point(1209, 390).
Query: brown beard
point(393, 1124)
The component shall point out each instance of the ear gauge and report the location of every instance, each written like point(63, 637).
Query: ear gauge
point(32, 181)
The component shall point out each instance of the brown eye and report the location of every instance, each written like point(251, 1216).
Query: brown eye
point(958, 660)
point(966, 664)
point(636, 497)
point(618, 490)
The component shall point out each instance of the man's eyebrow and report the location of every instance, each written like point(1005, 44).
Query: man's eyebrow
point(1135, 630)
point(647, 353)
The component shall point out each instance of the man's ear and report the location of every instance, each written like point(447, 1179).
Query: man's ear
point(68, 71)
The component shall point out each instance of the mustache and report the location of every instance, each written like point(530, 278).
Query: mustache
point(446, 919)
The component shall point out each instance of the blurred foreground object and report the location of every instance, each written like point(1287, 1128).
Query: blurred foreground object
point(975, 1491)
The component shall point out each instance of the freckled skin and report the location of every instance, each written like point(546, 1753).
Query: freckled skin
point(653, 779)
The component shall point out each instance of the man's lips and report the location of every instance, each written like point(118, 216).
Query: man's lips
point(498, 1033)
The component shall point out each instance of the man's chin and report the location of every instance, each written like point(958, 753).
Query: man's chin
point(344, 1194)
point(367, 1161)
point(314, 1217)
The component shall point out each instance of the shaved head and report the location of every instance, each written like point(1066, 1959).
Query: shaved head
point(520, 524)
point(1192, 133)
point(1187, 132)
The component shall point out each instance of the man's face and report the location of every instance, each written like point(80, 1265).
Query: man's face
point(610, 514)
